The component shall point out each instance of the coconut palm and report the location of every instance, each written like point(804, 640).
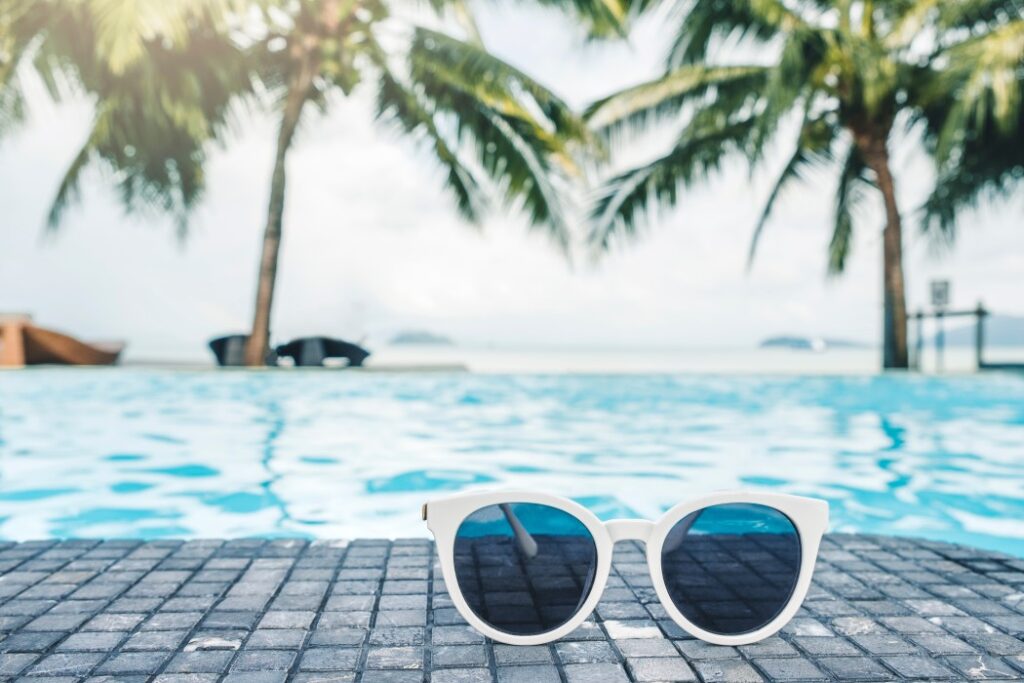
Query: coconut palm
point(977, 136)
point(162, 78)
point(495, 131)
point(167, 92)
point(854, 74)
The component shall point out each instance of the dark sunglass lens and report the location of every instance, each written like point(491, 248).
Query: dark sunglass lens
point(523, 568)
point(731, 569)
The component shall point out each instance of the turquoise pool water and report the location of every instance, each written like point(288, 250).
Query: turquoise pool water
point(131, 452)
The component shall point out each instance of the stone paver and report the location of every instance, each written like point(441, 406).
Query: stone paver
point(269, 611)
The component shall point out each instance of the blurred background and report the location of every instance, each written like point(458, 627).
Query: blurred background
point(621, 251)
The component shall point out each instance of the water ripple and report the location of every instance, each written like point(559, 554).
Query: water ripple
point(333, 454)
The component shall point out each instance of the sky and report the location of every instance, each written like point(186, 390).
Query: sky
point(373, 245)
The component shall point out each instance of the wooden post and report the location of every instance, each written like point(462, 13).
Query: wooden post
point(919, 342)
point(979, 336)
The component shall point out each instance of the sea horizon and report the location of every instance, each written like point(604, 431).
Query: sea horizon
point(613, 359)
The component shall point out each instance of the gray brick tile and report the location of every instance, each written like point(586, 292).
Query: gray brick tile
point(222, 619)
point(66, 664)
point(588, 651)
point(827, 647)
point(329, 659)
point(789, 669)
point(534, 673)
point(597, 672)
point(646, 669)
point(996, 643)
point(325, 677)
point(56, 622)
point(918, 667)
point(276, 639)
point(134, 663)
point(884, 644)
point(477, 675)
point(12, 664)
point(215, 662)
point(855, 668)
point(256, 677)
point(942, 644)
point(698, 649)
point(263, 660)
point(769, 647)
point(453, 635)
point(394, 658)
point(278, 619)
point(397, 636)
point(343, 636)
point(982, 667)
point(727, 671)
point(29, 641)
point(458, 656)
point(513, 655)
point(98, 641)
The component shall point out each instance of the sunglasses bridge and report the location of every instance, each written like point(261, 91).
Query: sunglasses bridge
point(629, 529)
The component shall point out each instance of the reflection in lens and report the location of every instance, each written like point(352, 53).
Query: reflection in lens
point(524, 568)
point(731, 569)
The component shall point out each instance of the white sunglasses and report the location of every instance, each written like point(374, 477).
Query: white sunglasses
point(526, 568)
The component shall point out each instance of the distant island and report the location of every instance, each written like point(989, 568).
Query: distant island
point(808, 343)
point(421, 338)
point(1000, 330)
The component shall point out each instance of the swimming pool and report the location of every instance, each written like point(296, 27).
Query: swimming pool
point(150, 453)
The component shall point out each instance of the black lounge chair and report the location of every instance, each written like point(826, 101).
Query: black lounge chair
point(311, 352)
point(230, 350)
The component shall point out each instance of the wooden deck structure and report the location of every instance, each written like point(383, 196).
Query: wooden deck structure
point(22, 343)
point(979, 313)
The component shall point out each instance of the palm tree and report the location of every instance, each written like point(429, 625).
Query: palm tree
point(162, 77)
point(857, 74)
point(494, 130)
point(165, 81)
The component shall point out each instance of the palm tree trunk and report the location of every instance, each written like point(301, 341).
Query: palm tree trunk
point(299, 86)
point(307, 56)
point(894, 317)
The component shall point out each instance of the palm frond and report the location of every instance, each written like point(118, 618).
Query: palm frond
point(665, 96)
point(708, 21)
point(124, 30)
point(976, 16)
point(155, 119)
point(911, 22)
point(984, 76)
point(814, 145)
point(629, 196)
point(787, 83)
point(68, 190)
point(600, 18)
point(987, 166)
point(523, 136)
point(472, 68)
point(399, 103)
point(20, 22)
point(853, 182)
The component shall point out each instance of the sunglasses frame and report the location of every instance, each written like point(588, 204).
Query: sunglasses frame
point(808, 515)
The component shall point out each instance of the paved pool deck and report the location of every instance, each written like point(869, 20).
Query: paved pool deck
point(264, 611)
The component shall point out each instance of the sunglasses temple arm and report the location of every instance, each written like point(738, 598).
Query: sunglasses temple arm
point(524, 540)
